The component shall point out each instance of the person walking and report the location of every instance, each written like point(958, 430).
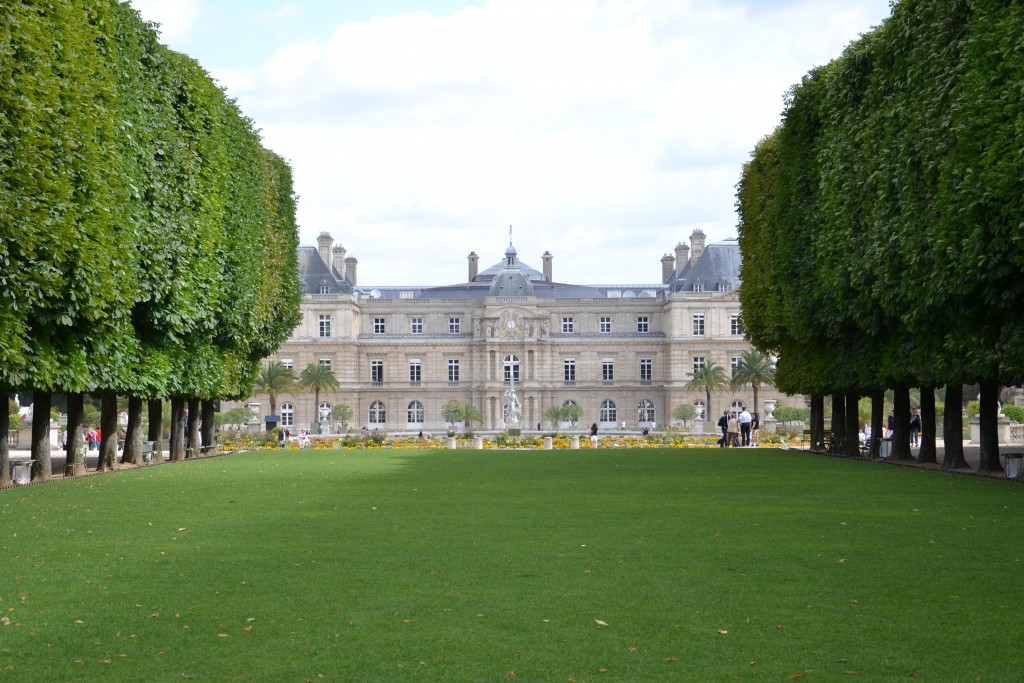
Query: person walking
point(723, 424)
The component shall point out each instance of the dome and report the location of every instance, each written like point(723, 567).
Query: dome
point(511, 282)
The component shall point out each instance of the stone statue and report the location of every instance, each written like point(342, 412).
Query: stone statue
point(325, 413)
point(512, 411)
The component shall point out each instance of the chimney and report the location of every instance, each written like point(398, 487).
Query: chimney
point(667, 266)
point(324, 242)
point(546, 258)
point(697, 244)
point(682, 257)
point(350, 267)
point(474, 264)
point(339, 260)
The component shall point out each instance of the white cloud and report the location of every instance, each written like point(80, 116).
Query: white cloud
point(176, 18)
point(604, 132)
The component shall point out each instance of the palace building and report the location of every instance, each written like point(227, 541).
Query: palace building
point(623, 353)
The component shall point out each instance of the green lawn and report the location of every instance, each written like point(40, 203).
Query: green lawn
point(640, 565)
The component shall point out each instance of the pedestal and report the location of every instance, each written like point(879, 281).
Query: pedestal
point(548, 443)
point(451, 443)
point(575, 443)
point(478, 443)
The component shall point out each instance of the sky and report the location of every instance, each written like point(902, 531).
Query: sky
point(604, 132)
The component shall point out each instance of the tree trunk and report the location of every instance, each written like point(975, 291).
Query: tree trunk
point(838, 416)
point(852, 431)
point(41, 467)
point(192, 449)
point(953, 429)
point(108, 429)
point(74, 460)
point(754, 387)
point(988, 424)
point(5, 450)
point(928, 452)
point(817, 426)
point(209, 429)
point(177, 446)
point(901, 424)
point(877, 417)
point(133, 433)
point(156, 428)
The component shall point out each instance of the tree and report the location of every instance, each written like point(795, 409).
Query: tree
point(318, 377)
point(711, 378)
point(572, 412)
point(343, 414)
point(755, 369)
point(555, 415)
point(452, 412)
point(471, 414)
point(276, 378)
point(684, 412)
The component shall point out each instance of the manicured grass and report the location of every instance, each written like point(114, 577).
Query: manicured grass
point(706, 565)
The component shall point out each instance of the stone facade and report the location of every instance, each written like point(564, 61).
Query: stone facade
point(623, 353)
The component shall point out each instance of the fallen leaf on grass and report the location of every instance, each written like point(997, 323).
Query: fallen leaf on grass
point(600, 623)
point(722, 631)
point(670, 659)
point(780, 626)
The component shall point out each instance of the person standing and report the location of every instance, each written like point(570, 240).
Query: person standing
point(745, 419)
point(723, 424)
point(734, 430)
point(915, 426)
point(755, 429)
point(593, 435)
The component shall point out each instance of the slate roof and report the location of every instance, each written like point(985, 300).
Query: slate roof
point(717, 270)
point(314, 274)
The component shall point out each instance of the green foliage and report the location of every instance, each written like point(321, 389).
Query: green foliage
point(467, 413)
point(790, 414)
point(343, 414)
point(973, 408)
point(880, 223)
point(13, 420)
point(142, 225)
point(685, 413)
point(235, 416)
point(1014, 412)
point(710, 377)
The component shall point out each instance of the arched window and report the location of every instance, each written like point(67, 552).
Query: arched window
point(324, 412)
point(699, 405)
point(287, 415)
point(737, 406)
point(414, 414)
point(511, 368)
point(377, 414)
point(608, 411)
point(645, 411)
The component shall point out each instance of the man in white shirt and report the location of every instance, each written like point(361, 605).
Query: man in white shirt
point(745, 418)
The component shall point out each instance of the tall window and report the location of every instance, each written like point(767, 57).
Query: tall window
point(325, 326)
point(453, 370)
point(605, 325)
point(646, 370)
point(511, 369)
point(326, 362)
point(734, 363)
point(643, 324)
point(645, 411)
point(415, 372)
point(698, 286)
point(324, 289)
point(608, 411)
point(607, 370)
point(378, 326)
point(569, 370)
point(287, 415)
point(567, 325)
point(698, 324)
point(416, 326)
point(414, 414)
point(377, 414)
point(735, 326)
point(288, 363)
point(737, 406)
point(454, 326)
point(376, 371)
point(698, 363)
